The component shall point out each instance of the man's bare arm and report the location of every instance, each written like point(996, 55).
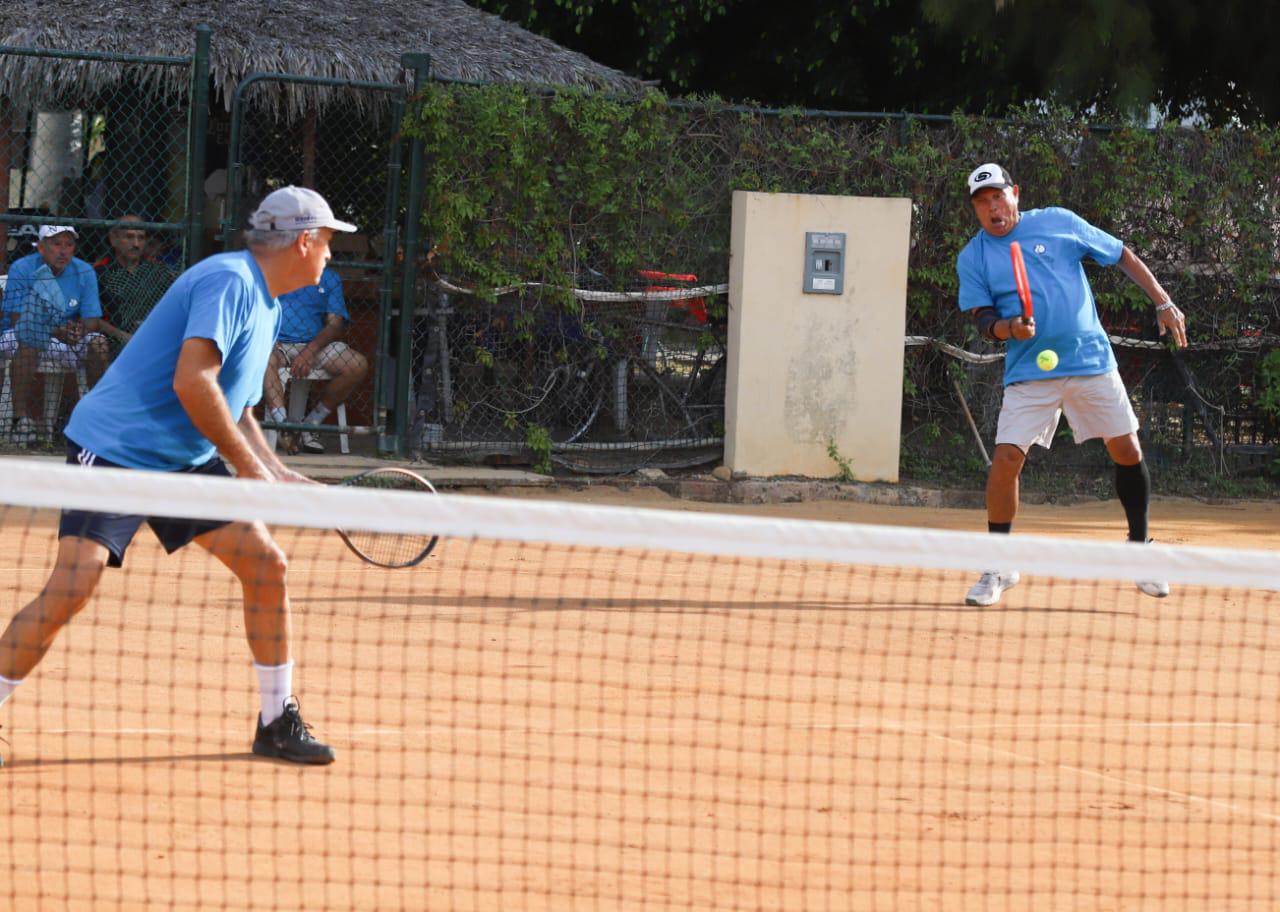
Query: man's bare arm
point(196, 383)
point(106, 327)
point(253, 434)
point(1168, 316)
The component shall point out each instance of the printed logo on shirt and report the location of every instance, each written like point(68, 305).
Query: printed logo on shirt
point(1039, 248)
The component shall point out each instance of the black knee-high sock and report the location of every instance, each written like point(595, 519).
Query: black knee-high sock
point(1133, 486)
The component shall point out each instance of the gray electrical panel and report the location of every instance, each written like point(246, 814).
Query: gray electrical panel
point(824, 262)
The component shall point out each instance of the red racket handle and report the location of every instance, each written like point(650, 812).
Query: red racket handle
point(1020, 278)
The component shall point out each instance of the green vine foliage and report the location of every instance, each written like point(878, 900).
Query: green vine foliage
point(573, 189)
point(570, 189)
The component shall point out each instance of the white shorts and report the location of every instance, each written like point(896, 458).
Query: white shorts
point(330, 359)
point(1096, 406)
point(58, 352)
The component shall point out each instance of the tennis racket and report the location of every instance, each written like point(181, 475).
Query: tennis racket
point(393, 550)
point(1020, 279)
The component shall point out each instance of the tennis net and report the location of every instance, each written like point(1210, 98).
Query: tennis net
point(571, 707)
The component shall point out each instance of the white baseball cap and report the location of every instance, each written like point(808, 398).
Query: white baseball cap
point(989, 175)
point(48, 231)
point(295, 209)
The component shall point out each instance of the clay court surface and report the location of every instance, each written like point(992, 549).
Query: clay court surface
point(527, 727)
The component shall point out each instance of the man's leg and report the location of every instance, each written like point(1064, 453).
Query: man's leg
point(1099, 407)
point(348, 368)
point(75, 575)
point(272, 388)
point(273, 393)
point(1002, 507)
point(26, 383)
point(1003, 486)
point(1029, 415)
point(96, 352)
point(248, 550)
point(1133, 483)
point(1133, 487)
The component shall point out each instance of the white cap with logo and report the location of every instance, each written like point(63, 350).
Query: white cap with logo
point(295, 209)
point(48, 231)
point(989, 175)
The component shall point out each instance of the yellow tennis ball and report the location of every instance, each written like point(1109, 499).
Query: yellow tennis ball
point(1047, 360)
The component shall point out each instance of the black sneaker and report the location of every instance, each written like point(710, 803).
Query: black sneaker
point(289, 738)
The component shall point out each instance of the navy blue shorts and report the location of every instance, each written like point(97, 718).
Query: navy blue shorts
point(114, 531)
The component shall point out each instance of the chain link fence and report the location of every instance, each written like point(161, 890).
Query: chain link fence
point(570, 303)
point(108, 160)
point(531, 362)
point(349, 150)
point(574, 310)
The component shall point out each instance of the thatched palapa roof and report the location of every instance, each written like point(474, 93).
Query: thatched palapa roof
point(360, 41)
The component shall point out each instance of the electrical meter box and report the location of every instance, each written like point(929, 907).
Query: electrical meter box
point(824, 262)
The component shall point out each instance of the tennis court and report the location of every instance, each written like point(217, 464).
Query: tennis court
point(526, 726)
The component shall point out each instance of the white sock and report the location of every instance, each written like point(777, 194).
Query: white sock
point(7, 688)
point(275, 685)
point(317, 415)
point(275, 414)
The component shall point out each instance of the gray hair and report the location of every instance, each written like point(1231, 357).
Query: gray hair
point(270, 239)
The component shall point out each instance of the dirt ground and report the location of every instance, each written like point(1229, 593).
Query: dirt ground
point(546, 728)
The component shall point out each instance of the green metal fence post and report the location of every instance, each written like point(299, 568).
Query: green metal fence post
point(386, 283)
point(421, 66)
point(199, 135)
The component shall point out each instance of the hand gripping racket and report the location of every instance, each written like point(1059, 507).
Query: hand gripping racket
point(1020, 279)
point(393, 550)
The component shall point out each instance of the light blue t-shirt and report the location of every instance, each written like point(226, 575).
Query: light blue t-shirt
point(302, 311)
point(78, 284)
point(1054, 244)
point(133, 417)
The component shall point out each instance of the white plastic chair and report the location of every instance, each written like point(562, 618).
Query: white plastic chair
point(298, 389)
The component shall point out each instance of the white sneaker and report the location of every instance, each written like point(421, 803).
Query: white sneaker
point(24, 432)
point(310, 443)
point(987, 590)
point(1153, 588)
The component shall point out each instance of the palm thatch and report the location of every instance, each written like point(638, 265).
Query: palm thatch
point(362, 41)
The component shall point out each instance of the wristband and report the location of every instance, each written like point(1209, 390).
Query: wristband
point(1165, 306)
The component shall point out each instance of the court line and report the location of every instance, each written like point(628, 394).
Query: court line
point(1104, 777)
point(1015, 726)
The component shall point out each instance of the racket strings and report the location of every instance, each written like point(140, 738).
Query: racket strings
point(389, 549)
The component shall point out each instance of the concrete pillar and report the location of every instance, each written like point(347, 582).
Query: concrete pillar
point(809, 374)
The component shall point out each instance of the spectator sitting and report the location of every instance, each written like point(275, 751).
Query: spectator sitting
point(131, 282)
point(51, 308)
point(313, 320)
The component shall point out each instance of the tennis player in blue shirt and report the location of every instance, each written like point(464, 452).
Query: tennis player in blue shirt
point(1083, 383)
point(180, 398)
